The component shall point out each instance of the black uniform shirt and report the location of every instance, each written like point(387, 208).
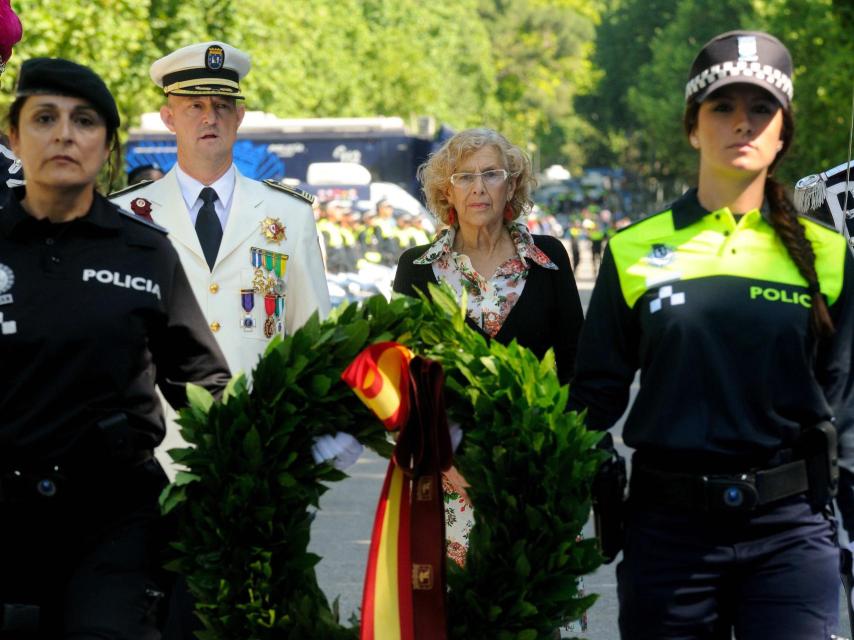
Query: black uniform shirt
point(714, 314)
point(93, 313)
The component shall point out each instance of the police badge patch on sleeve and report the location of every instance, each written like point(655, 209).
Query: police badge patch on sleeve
point(660, 255)
point(7, 327)
point(7, 279)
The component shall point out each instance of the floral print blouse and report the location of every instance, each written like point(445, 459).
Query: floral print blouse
point(490, 300)
point(490, 296)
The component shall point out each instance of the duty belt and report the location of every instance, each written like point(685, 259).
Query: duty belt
point(733, 492)
point(48, 480)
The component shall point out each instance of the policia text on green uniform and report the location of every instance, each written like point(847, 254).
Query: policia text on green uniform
point(739, 316)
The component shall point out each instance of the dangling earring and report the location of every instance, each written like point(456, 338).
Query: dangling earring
point(509, 214)
point(452, 217)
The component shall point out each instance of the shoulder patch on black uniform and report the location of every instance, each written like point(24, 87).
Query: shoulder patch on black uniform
point(297, 193)
point(141, 220)
point(133, 187)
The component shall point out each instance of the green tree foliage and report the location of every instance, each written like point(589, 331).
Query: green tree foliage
point(244, 506)
point(111, 36)
point(177, 23)
point(818, 34)
point(575, 82)
point(363, 58)
point(644, 49)
point(657, 98)
point(512, 64)
point(623, 46)
point(542, 57)
point(431, 59)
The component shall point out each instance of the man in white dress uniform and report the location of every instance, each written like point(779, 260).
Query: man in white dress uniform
point(250, 249)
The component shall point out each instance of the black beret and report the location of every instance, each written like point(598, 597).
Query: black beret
point(63, 77)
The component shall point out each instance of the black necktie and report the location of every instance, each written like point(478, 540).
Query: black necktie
point(208, 227)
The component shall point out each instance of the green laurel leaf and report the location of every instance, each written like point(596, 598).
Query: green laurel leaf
point(245, 503)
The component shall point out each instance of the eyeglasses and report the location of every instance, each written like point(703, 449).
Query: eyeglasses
point(491, 178)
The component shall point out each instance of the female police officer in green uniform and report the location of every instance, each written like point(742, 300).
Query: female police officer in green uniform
point(95, 310)
point(739, 316)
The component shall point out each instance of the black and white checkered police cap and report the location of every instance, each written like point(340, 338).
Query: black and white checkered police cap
point(742, 57)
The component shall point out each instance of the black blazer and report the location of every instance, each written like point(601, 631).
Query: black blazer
point(548, 313)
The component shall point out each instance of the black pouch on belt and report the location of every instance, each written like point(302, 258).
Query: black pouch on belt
point(114, 437)
point(609, 497)
point(817, 446)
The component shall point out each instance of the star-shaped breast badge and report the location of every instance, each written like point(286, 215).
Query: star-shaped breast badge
point(273, 230)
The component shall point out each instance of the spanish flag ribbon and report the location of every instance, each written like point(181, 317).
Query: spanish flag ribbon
point(404, 594)
point(380, 377)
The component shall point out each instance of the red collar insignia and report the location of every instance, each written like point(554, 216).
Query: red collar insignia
point(142, 208)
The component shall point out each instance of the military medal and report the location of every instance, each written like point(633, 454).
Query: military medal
point(281, 268)
point(271, 261)
point(269, 267)
point(247, 301)
point(280, 314)
point(273, 230)
point(276, 265)
point(270, 322)
point(259, 280)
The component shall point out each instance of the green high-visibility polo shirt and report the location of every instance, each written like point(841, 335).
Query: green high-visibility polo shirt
point(714, 313)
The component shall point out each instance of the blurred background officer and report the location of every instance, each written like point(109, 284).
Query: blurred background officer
point(144, 173)
point(739, 315)
point(217, 218)
point(95, 309)
point(10, 33)
point(386, 232)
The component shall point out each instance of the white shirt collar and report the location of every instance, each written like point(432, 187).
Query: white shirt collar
point(191, 188)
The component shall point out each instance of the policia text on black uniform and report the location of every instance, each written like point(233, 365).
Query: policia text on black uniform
point(739, 316)
point(95, 309)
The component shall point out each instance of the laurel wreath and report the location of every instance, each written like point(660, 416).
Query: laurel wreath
point(243, 505)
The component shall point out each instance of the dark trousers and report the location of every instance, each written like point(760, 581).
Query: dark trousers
point(701, 576)
point(88, 558)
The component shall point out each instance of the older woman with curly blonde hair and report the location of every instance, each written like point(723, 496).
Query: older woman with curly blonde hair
point(519, 286)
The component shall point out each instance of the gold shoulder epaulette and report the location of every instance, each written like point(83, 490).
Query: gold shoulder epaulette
point(297, 193)
point(128, 189)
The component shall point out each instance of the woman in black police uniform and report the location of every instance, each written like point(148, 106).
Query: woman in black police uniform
point(95, 310)
point(739, 316)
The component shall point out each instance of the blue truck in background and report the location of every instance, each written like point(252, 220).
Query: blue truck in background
point(273, 148)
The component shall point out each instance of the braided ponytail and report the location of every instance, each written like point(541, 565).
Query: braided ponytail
point(784, 219)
